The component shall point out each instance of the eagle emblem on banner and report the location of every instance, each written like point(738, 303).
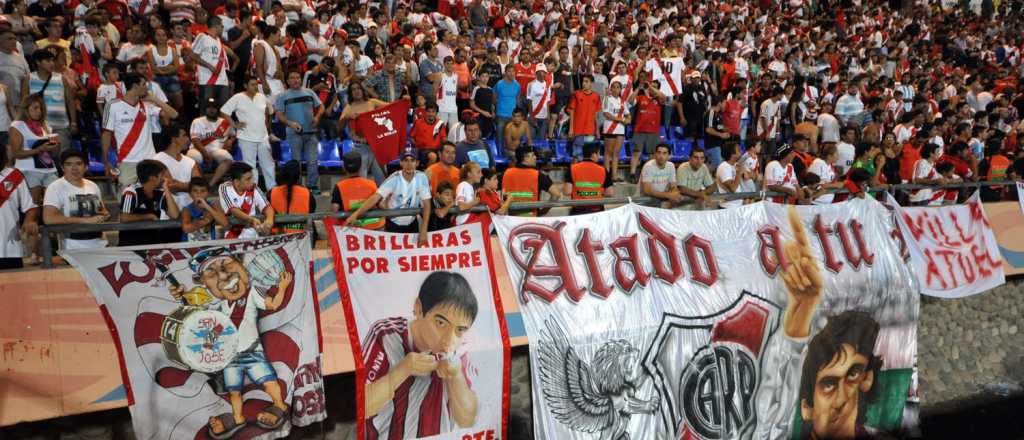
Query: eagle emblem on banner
point(595, 397)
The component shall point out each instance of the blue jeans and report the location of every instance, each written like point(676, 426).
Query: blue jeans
point(252, 364)
point(499, 131)
point(369, 168)
point(666, 118)
point(306, 146)
point(714, 157)
point(540, 128)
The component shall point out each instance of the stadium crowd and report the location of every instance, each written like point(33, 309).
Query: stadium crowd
point(179, 99)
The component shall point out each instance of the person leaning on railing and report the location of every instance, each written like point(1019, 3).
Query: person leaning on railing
point(74, 200)
point(353, 191)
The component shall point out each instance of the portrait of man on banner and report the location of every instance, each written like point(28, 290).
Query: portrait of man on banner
point(428, 335)
point(422, 356)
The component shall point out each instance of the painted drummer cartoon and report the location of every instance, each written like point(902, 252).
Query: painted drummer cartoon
point(225, 290)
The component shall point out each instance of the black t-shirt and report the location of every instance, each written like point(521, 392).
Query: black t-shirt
point(492, 69)
point(135, 201)
point(244, 51)
point(484, 99)
point(325, 95)
point(354, 29)
point(38, 10)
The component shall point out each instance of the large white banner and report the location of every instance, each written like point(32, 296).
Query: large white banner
point(216, 339)
point(764, 322)
point(952, 248)
point(427, 331)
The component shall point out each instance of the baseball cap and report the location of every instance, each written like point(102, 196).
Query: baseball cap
point(408, 152)
point(783, 150)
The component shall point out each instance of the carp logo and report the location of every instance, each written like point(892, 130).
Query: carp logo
point(707, 368)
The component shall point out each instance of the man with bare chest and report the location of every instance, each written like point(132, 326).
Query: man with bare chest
point(515, 132)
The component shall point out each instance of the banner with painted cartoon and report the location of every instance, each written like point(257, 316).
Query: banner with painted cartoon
point(759, 322)
point(427, 331)
point(217, 340)
point(952, 248)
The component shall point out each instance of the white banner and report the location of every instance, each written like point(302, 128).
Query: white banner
point(216, 339)
point(427, 331)
point(952, 248)
point(763, 322)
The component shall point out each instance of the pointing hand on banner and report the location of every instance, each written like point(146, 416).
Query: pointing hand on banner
point(802, 276)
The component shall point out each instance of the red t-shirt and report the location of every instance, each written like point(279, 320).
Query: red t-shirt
point(584, 117)
point(648, 115)
point(525, 74)
point(908, 158)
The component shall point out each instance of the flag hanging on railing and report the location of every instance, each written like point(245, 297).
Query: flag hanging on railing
point(216, 339)
point(952, 248)
point(763, 322)
point(385, 130)
point(428, 333)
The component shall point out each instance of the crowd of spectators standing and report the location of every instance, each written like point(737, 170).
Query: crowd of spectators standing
point(176, 101)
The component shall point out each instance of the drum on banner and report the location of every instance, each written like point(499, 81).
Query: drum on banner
point(428, 333)
point(215, 341)
point(763, 321)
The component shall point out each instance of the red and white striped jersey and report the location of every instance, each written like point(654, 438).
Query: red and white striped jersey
point(420, 404)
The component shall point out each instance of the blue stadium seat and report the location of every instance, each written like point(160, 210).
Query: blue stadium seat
point(286, 152)
point(328, 154)
point(563, 152)
point(625, 151)
point(499, 156)
point(681, 149)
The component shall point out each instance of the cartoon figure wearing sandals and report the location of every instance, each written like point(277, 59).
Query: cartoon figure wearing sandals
point(225, 276)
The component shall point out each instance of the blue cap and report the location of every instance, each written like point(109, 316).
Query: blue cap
point(408, 152)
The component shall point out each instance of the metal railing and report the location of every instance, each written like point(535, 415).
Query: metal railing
point(310, 219)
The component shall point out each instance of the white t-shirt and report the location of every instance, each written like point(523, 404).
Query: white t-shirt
point(535, 93)
point(725, 173)
point(230, 198)
point(73, 201)
point(405, 194)
point(248, 332)
point(924, 169)
point(18, 202)
point(613, 105)
point(660, 178)
point(204, 129)
point(769, 112)
point(904, 133)
point(119, 118)
point(210, 50)
point(847, 154)
point(109, 92)
point(449, 89)
point(29, 139)
point(776, 174)
point(180, 170)
point(829, 127)
point(253, 113)
point(827, 175)
point(668, 74)
point(749, 163)
point(463, 194)
point(130, 52)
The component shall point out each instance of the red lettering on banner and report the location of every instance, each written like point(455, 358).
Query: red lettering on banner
point(367, 264)
point(589, 248)
point(119, 281)
point(824, 232)
point(657, 240)
point(932, 270)
point(482, 435)
point(537, 238)
point(630, 252)
point(771, 249)
point(862, 246)
point(406, 241)
point(706, 273)
point(855, 258)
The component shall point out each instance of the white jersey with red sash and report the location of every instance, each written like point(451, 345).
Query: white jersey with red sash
point(133, 137)
point(15, 199)
point(616, 106)
point(668, 72)
point(539, 108)
point(776, 174)
point(211, 134)
point(419, 407)
point(249, 202)
point(211, 50)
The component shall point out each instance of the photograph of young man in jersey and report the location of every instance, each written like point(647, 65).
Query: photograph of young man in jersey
point(416, 384)
point(839, 365)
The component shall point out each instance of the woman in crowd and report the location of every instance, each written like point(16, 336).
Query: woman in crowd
point(33, 146)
